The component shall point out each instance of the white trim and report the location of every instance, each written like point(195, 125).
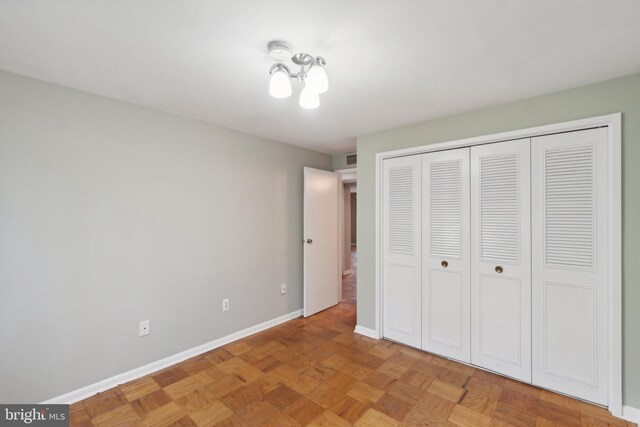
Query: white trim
point(630, 413)
point(614, 123)
point(348, 176)
point(92, 389)
point(340, 238)
point(346, 171)
point(371, 333)
point(615, 264)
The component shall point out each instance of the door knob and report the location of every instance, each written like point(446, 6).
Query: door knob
point(498, 269)
point(445, 264)
point(309, 241)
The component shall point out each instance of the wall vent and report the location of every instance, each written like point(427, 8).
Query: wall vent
point(352, 159)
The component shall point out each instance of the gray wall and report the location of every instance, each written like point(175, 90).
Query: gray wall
point(619, 95)
point(340, 162)
point(112, 213)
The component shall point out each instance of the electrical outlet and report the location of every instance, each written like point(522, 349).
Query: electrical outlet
point(283, 288)
point(225, 304)
point(144, 328)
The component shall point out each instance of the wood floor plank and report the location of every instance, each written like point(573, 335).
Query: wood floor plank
point(520, 401)
point(329, 419)
point(373, 418)
point(150, 402)
point(195, 365)
point(463, 416)
point(446, 391)
point(349, 408)
point(365, 393)
point(122, 415)
point(78, 415)
point(182, 387)
point(316, 371)
point(436, 405)
point(170, 376)
point(282, 397)
point(512, 416)
point(163, 416)
point(138, 388)
point(392, 406)
point(304, 410)
point(196, 400)
point(211, 415)
point(104, 402)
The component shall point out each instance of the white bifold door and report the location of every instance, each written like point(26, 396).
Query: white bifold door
point(446, 254)
point(497, 255)
point(401, 270)
point(570, 265)
point(501, 258)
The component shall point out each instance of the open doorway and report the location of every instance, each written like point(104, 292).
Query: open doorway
point(349, 236)
point(350, 251)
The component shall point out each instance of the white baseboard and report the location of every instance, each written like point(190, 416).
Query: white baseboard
point(92, 389)
point(371, 333)
point(632, 414)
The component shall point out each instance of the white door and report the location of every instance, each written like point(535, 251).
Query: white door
point(501, 258)
point(446, 254)
point(401, 234)
point(570, 267)
point(322, 264)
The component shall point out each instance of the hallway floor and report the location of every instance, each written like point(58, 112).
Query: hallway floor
point(349, 281)
point(318, 372)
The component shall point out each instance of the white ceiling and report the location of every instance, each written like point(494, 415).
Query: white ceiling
point(389, 63)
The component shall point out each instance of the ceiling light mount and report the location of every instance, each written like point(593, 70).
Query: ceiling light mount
point(279, 50)
point(312, 74)
point(302, 59)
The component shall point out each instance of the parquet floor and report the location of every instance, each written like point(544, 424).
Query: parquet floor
point(318, 372)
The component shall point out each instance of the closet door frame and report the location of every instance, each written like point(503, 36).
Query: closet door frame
point(613, 122)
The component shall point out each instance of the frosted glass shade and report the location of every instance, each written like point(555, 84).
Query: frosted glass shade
point(317, 79)
point(309, 99)
point(280, 85)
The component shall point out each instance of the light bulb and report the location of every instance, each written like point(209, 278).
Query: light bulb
point(309, 99)
point(317, 79)
point(279, 85)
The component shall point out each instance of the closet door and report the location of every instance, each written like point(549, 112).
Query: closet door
point(501, 258)
point(401, 245)
point(570, 267)
point(446, 254)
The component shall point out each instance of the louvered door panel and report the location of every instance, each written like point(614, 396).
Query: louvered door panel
point(570, 269)
point(444, 202)
point(569, 207)
point(500, 208)
point(500, 258)
point(446, 269)
point(401, 287)
point(401, 210)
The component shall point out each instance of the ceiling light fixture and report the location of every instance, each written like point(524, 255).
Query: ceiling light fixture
point(312, 75)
